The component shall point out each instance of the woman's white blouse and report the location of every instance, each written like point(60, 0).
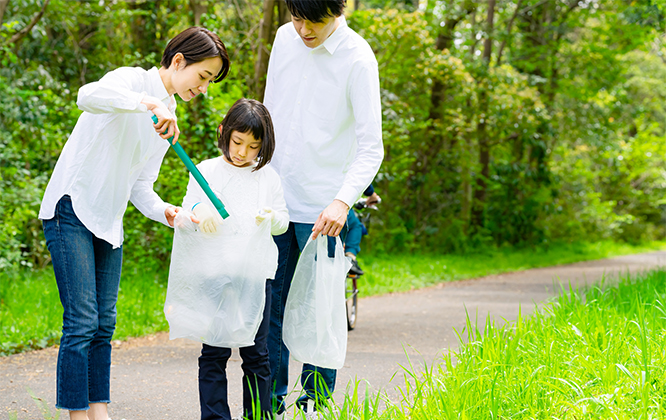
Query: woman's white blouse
point(113, 154)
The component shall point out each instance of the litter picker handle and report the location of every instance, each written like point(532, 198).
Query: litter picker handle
point(197, 175)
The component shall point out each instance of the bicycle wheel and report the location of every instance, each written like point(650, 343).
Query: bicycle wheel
point(352, 300)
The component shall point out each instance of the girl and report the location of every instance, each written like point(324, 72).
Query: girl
point(113, 155)
point(218, 289)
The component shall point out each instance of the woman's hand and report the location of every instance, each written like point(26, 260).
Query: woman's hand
point(167, 125)
point(171, 213)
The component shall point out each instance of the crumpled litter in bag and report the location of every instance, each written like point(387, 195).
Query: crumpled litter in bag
point(315, 319)
point(216, 290)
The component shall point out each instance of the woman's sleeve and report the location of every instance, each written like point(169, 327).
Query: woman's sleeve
point(143, 196)
point(120, 90)
point(280, 221)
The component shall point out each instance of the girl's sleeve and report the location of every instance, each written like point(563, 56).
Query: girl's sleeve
point(280, 221)
point(120, 90)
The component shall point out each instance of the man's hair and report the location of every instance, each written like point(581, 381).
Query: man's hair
point(197, 44)
point(316, 10)
point(248, 116)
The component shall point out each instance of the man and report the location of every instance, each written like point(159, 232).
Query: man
point(322, 91)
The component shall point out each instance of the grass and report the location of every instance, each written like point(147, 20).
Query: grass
point(600, 354)
point(31, 314)
point(399, 273)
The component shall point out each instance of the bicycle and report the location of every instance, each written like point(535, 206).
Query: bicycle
point(351, 285)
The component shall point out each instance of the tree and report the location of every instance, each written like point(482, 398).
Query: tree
point(481, 131)
point(20, 34)
point(267, 30)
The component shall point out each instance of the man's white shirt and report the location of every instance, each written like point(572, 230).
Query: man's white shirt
point(326, 109)
point(113, 154)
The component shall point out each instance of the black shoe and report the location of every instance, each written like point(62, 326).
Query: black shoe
point(355, 269)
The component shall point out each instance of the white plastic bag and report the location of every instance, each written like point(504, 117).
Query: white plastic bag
point(216, 290)
point(315, 325)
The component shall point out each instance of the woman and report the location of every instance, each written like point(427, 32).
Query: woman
point(112, 156)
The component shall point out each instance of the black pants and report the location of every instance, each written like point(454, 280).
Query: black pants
point(256, 375)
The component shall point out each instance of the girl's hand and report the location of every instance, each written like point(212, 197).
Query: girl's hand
point(209, 218)
point(167, 125)
point(263, 214)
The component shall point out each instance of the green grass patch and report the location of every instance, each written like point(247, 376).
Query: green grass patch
point(599, 354)
point(399, 273)
point(31, 314)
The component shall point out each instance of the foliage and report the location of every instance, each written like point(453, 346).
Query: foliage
point(38, 85)
point(518, 147)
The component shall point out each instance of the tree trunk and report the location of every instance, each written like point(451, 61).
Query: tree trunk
point(466, 179)
point(284, 15)
point(481, 128)
point(261, 65)
point(198, 8)
point(434, 138)
point(445, 41)
point(3, 7)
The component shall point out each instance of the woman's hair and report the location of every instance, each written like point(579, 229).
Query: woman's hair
point(316, 10)
point(248, 116)
point(197, 44)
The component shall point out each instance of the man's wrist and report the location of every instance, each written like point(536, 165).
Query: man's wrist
point(343, 203)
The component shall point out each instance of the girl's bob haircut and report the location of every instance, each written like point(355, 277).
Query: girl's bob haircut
point(197, 44)
point(316, 10)
point(248, 116)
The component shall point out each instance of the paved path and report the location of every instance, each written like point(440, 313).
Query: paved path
point(153, 378)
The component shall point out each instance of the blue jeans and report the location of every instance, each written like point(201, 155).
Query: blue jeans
point(256, 375)
point(317, 382)
point(87, 270)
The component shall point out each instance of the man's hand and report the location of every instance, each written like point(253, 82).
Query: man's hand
point(331, 220)
point(373, 199)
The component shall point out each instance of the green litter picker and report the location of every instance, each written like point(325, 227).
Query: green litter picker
point(197, 175)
